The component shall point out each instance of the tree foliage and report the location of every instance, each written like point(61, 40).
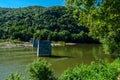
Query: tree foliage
point(91, 72)
point(24, 23)
point(40, 70)
point(102, 17)
point(15, 76)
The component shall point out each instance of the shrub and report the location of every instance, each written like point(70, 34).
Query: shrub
point(90, 72)
point(15, 76)
point(40, 70)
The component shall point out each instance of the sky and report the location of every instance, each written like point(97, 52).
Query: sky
point(25, 3)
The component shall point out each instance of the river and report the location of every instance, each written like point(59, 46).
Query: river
point(14, 59)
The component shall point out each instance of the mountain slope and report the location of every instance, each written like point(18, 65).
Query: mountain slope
point(33, 21)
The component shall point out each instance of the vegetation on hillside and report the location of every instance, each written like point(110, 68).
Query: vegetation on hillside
point(54, 23)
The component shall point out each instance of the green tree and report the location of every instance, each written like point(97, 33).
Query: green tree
point(102, 17)
point(42, 34)
point(40, 70)
point(64, 35)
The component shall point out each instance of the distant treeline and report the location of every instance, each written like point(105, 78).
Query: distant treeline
point(54, 23)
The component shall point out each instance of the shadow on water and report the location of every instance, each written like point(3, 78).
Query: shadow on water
point(56, 56)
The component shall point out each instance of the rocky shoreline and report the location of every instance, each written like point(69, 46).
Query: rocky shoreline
point(9, 44)
point(28, 44)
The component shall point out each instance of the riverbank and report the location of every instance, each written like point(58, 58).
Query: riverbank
point(11, 44)
point(29, 44)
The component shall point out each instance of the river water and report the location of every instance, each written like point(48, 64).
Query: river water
point(14, 59)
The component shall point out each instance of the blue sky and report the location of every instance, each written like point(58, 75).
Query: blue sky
point(24, 3)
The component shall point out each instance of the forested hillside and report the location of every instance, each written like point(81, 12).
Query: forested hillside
point(54, 23)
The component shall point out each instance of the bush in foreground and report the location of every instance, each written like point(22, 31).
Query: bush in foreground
point(15, 76)
point(40, 70)
point(92, 72)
